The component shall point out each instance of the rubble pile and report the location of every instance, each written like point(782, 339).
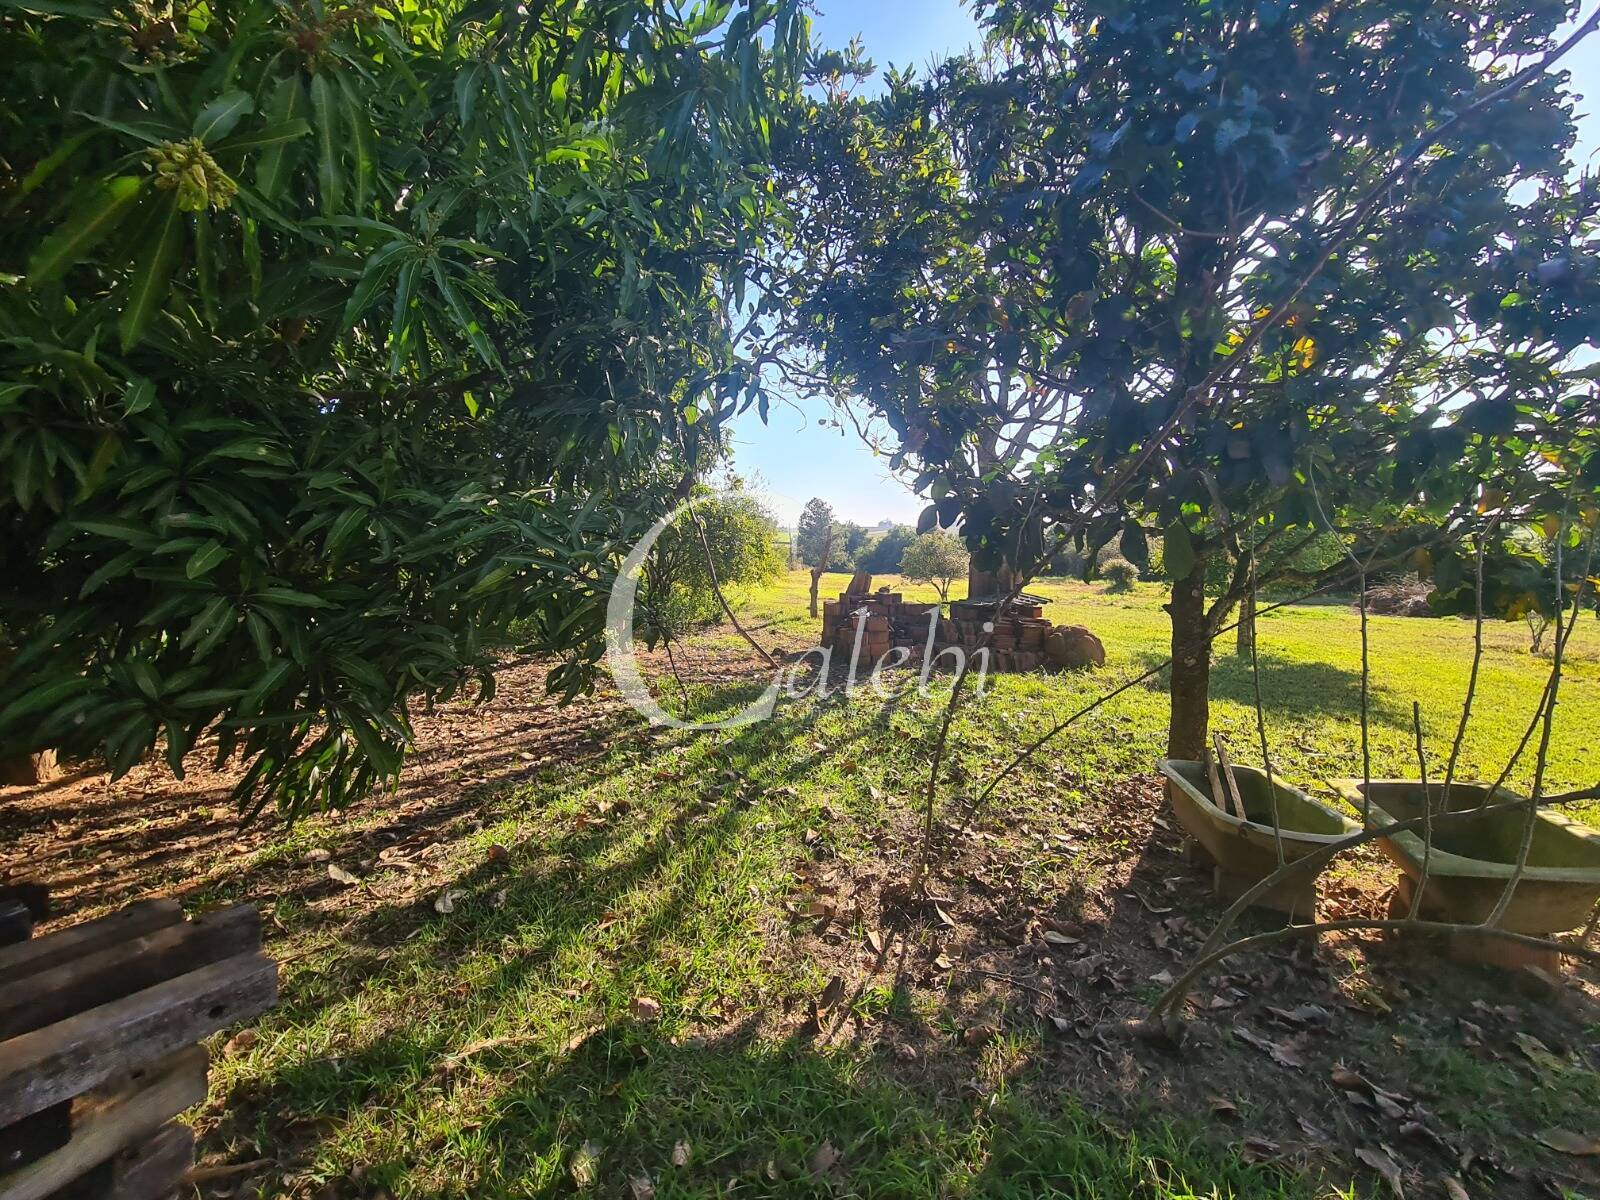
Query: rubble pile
point(1023, 639)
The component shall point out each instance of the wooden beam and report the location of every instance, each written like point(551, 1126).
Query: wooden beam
point(33, 1137)
point(99, 977)
point(68, 1058)
point(42, 953)
point(179, 1084)
point(1235, 796)
point(152, 1170)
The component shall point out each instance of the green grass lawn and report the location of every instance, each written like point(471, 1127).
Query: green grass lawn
point(612, 1008)
point(1310, 659)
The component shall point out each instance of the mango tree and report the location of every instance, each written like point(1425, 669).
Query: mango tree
point(336, 338)
point(1227, 271)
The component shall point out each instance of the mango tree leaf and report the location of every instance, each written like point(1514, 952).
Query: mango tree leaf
point(208, 557)
point(272, 168)
point(1177, 551)
point(217, 119)
point(266, 137)
point(330, 175)
point(374, 275)
point(152, 274)
point(88, 224)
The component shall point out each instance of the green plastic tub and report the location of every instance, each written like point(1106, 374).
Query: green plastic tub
point(1473, 859)
point(1245, 850)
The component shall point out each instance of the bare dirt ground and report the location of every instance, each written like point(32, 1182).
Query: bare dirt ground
point(98, 843)
point(1318, 1056)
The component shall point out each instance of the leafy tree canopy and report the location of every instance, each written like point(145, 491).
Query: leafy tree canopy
point(815, 535)
point(883, 557)
point(937, 557)
point(682, 573)
point(333, 338)
point(1192, 267)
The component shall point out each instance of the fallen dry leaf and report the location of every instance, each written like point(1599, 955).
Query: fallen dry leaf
point(482, 1044)
point(339, 875)
point(645, 1008)
point(680, 1154)
point(240, 1042)
point(1303, 1015)
point(1381, 1162)
point(824, 1159)
point(641, 1188)
point(1282, 1053)
point(875, 941)
point(979, 1035)
point(1258, 1150)
point(1343, 1077)
point(585, 1165)
point(833, 993)
point(1454, 1190)
point(1564, 1141)
point(498, 853)
point(1537, 1052)
point(445, 901)
point(1224, 1108)
point(576, 1041)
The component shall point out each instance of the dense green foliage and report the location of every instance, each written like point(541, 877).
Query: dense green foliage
point(883, 555)
point(1189, 267)
point(818, 543)
point(1120, 575)
point(936, 557)
point(333, 339)
point(682, 573)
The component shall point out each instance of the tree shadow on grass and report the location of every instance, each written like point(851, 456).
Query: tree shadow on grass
point(1294, 688)
point(518, 1059)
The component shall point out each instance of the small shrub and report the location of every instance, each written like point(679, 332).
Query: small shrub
point(1120, 574)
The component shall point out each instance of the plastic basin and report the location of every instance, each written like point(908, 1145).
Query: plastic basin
point(1473, 859)
point(1246, 848)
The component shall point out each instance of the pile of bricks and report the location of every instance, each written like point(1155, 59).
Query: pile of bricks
point(886, 620)
point(1019, 632)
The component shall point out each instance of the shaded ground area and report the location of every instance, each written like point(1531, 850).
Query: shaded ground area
point(574, 954)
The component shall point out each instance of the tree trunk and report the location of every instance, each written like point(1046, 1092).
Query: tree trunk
point(1189, 718)
point(816, 580)
point(1245, 639)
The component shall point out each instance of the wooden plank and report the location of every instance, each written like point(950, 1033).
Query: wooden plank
point(83, 983)
point(31, 1139)
point(1234, 795)
point(1215, 780)
point(68, 1058)
point(152, 1170)
point(178, 1085)
point(42, 953)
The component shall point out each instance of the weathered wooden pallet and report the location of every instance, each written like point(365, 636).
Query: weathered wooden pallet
point(99, 1032)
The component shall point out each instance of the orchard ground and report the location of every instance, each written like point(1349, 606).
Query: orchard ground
point(582, 955)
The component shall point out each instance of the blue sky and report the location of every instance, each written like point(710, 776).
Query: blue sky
point(793, 457)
